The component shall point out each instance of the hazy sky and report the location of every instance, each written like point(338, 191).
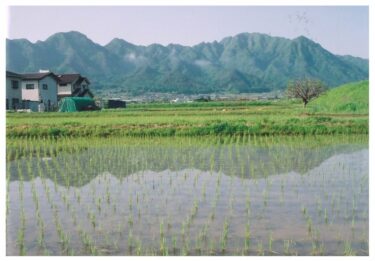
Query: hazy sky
point(341, 30)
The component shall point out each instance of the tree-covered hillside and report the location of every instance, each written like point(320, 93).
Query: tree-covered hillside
point(245, 63)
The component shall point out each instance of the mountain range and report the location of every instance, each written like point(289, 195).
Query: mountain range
point(244, 63)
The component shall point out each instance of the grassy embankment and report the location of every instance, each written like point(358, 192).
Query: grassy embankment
point(343, 110)
point(348, 98)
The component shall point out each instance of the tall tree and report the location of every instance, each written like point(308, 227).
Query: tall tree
point(305, 89)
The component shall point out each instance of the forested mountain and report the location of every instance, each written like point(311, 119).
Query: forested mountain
point(247, 62)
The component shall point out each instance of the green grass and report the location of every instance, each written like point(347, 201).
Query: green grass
point(348, 98)
point(280, 117)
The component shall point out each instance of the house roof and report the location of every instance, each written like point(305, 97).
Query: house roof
point(37, 76)
point(68, 78)
point(61, 78)
point(71, 78)
point(13, 74)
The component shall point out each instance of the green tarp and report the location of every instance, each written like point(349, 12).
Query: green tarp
point(72, 104)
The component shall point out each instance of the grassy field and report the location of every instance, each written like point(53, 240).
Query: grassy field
point(343, 110)
point(197, 119)
point(349, 98)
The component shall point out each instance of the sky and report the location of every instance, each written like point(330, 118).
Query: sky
point(339, 29)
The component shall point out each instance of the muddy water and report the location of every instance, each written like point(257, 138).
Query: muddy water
point(226, 200)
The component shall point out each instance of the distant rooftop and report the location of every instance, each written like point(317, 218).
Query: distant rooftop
point(37, 76)
point(68, 78)
point(13, 74)
point(71, 78)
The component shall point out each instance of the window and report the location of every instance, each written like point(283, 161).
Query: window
point(15, 84)
point(45, 86)
point(84, 86)
point(7, 104)
point(63, 85)
point(30, 86)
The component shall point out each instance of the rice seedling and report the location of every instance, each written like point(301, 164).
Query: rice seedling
point(174, 245)
point(309, 225)
point(317, 248)
point(198, 244)
point(21, 235)
point(130, 220)
point(195, 209)
point(224, 236)
point(288, 244)
point(212, 216)
point(92, 218)
point(260, 248)
point(270, 243)
point(325, 216)
point(99, 204)
point(161, 229)
point(88, 243)
point(139, 249)
point(265, 197)
point(130, 240)
point(247, 238)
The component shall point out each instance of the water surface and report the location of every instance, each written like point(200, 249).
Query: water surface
point(191, 200)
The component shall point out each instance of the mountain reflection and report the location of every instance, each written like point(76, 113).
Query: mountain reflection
point(243, 161)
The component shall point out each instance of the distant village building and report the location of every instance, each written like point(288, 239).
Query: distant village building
point(73, 85)
point(13, 90)
point(42, 91)
point(114, 104)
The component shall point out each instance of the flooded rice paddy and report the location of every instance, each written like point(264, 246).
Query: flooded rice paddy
point(233, 196)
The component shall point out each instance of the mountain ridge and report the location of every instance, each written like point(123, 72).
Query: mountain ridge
point(246, 62)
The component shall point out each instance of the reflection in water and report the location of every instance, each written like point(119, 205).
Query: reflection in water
point(243, 161)
point(219, 200)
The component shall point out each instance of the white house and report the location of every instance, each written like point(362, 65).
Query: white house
point(39, 88)
point(13, 90)
point(73, 85)
point(30, 90)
